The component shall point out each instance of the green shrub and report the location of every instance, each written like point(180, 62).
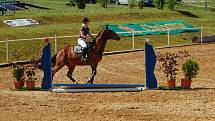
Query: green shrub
point(132, 3)
point(190, 69)
point(171, 4)
point(72, 1)
point(159, 4)
point(18, 73)
point(103, 3)
point(141, 3)
point(81, 4)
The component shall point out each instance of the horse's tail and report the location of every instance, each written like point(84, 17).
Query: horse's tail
point(54, 59)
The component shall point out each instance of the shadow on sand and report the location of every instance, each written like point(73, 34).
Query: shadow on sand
point(188, 14)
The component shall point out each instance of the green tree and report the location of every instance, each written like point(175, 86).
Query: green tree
point(81, 4)
point(159, 4)
point(132, 3)
point(104, 3)
point(141, 3)
point(171, 4)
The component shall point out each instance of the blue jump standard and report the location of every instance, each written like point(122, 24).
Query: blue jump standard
point(99, 85)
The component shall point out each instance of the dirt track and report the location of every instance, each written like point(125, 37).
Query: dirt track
point(191, 105)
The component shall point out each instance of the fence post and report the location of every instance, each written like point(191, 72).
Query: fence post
point(5, 6)
point(14, 5)
point(55, 40)
point(133, 41)
point(205, 5)
point(168, 38)
point(7, 53)
point(201, 33)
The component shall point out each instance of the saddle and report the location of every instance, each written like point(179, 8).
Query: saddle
point(78, 49)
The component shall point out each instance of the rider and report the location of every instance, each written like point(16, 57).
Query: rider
point(84, 36)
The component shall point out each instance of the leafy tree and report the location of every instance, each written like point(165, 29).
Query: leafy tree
point(159, 4)
point(132, 3)
point(141, 3)
point(171, 4)
point(104, 3)
point(81, 4)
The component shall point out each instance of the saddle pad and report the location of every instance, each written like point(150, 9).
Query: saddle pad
point(78, 49)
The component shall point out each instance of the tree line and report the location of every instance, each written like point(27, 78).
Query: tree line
point(81, 4)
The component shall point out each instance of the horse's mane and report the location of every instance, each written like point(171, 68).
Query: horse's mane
point(99, 34)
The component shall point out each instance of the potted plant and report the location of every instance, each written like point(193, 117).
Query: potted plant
point(18, 74)
point(190, 70)
point(169, 63)
point(30, 73)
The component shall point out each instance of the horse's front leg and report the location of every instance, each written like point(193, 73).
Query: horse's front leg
point(69, 74)
point(91, 79)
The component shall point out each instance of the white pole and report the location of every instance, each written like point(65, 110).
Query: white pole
point(137, 89)
point(7, 53)
point(201, 33)
point(168, 38)
point(133, 41)
point(55, 39)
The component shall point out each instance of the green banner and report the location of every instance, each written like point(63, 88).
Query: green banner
point(153, 28)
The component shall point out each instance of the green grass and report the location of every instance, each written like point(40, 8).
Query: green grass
point(63, 20)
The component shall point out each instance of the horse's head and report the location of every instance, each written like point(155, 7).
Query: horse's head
point(111, 34)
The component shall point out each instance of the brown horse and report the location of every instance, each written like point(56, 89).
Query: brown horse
point(68, 57)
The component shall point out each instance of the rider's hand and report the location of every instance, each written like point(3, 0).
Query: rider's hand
point(92, 37)
point(88, 38)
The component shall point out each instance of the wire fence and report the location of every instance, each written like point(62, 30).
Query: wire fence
point(26, 49)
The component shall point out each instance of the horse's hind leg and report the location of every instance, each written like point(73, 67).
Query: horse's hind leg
point(70, 71)
point(58, 63)
point(56, 69)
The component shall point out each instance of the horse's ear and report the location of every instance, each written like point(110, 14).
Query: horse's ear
point(107, 27)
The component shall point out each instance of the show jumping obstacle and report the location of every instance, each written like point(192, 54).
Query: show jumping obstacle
point(47, 83)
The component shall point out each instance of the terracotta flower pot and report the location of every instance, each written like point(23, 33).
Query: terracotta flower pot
point(23, 83)
point(185, 84)
point(30, 84)
point(171, 83)
point(18, 84)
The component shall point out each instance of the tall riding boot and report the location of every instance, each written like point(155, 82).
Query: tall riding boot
point(84, 53)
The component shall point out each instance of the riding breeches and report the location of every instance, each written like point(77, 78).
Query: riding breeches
point(82, 42)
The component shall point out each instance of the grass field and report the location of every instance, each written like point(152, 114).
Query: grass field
point(64, 20)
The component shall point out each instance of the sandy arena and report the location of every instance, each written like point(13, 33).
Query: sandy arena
point(196, 104)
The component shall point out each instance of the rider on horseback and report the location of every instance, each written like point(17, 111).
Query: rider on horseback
point(84, 36)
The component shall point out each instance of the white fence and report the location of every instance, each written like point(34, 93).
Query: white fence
point(199, 3)
point(56, 38)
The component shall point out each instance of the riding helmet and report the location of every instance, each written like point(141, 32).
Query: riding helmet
point(85, 19)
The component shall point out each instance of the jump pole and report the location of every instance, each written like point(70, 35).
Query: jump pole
point(151, 82)
point(98, 87)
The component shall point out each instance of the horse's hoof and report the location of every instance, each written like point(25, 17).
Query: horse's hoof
point(89, 82)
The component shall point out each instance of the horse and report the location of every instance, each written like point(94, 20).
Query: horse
point(68, 57)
